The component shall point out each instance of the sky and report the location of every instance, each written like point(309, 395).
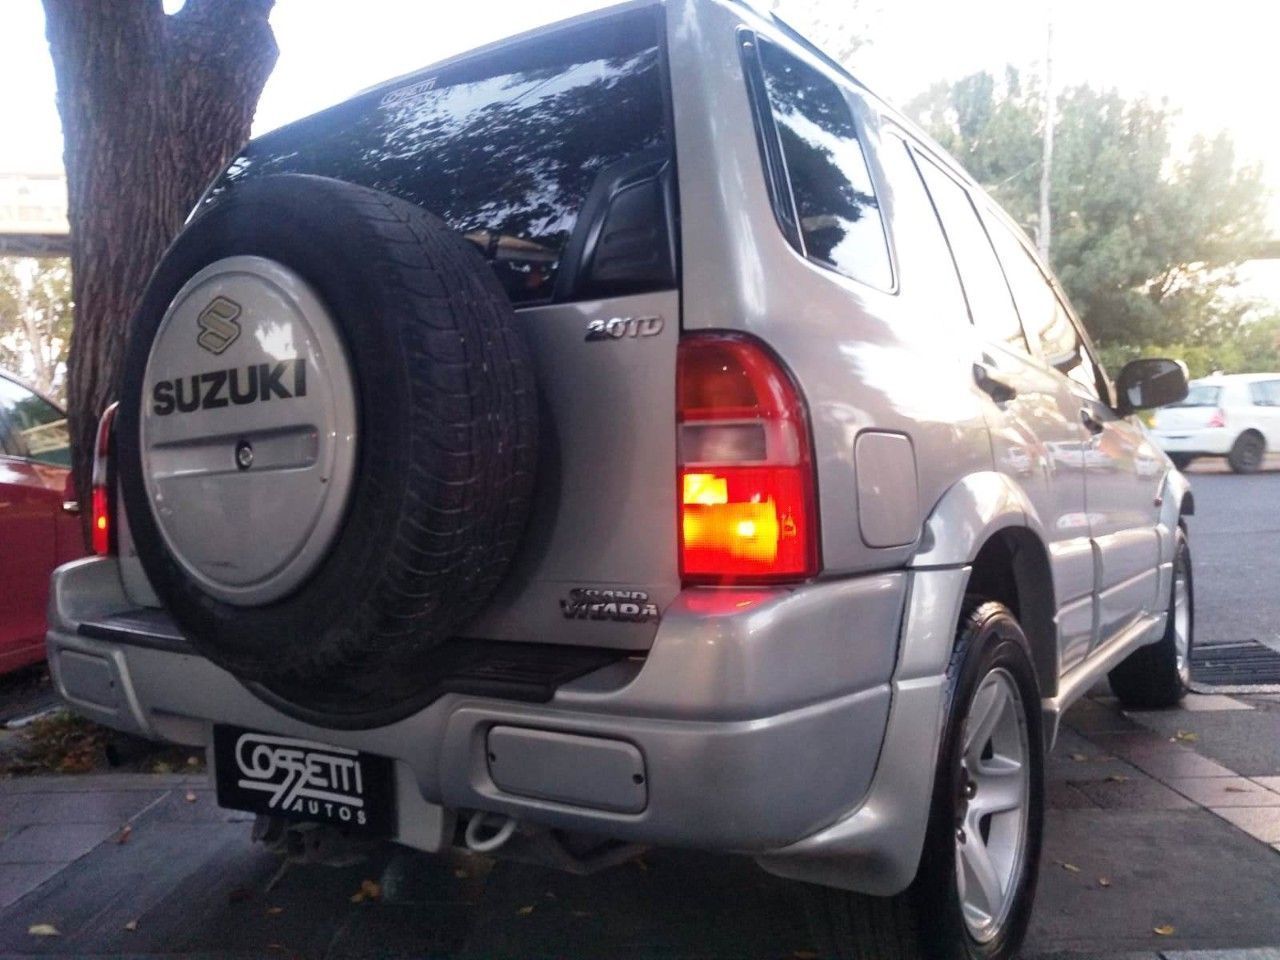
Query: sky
point(1216, 62)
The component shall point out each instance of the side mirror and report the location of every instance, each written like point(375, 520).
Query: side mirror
point(1148, 383)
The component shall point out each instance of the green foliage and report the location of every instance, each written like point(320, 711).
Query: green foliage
point(35, 320)
point(1145, 238)
point(1254, 348)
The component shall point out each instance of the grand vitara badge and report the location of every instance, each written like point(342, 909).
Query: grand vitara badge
point(627, 606)
point(301, 780)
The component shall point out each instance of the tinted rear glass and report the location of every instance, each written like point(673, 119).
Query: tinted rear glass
point(504, 147)
point(1201, 395)
point(830, 183)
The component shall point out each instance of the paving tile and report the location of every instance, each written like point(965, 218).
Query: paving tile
point(1224, 791)
point(60, 842)
point(97, 807)
point(1212, 702)
point(1066, 796)
point(1090, 716)
point(1133, 795)
point(1271, 783)
point(1260, 953)
point(101, 782)
point(19, 879)
point(1262, 823)
point(1169, 762)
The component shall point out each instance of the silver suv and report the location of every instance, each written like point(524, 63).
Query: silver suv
point(632, 433)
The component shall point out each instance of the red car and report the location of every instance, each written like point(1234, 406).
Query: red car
point(39, 526)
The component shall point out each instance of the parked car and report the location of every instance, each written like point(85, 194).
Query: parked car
point(635, 432)
point(1236, 416)
point(39, 526)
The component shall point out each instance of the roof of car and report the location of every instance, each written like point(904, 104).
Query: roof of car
point(1223, 378)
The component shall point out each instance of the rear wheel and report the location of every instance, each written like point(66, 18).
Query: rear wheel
point(1247, 452)
point(973, 894)
point(1159, 675)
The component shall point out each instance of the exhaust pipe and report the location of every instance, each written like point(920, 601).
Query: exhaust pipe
point(478, 842)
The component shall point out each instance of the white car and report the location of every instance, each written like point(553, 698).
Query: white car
point(1236, 416)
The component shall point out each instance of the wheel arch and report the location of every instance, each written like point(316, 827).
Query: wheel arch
point(987, 522)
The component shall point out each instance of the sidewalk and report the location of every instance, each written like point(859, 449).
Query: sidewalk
point(1179, 814)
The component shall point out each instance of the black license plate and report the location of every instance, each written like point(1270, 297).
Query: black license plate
point(302, 780)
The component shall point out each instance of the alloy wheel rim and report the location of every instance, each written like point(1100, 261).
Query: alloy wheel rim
point(991, 835)
point(1182, 621)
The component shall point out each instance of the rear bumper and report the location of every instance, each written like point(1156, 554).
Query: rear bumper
point(758, 719)
point(1210, 441)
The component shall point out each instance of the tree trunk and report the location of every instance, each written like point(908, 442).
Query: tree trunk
point(152, 107)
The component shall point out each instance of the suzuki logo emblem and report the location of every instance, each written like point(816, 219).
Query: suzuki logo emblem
point(218, 327)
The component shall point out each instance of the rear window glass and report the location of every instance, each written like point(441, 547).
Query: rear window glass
point(835, 202)
point(503, 147)
point(1200, 395)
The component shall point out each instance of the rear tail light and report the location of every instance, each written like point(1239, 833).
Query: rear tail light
point(100, 520)
point(1219, 418)
point(748, 510)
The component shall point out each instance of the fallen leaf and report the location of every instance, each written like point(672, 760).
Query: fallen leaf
point(368, 891)
point(1069, 867)
point(550, 896)
point(190, 797)
point(274, 911)
point(1164, 930)
point(131, 925)
point(1104, 882)
point(524, 911)
point(1186, 736)
point(1117, 778)
point(1079, 757)
point(193, 761)
point(125, 833)
point(43, 930)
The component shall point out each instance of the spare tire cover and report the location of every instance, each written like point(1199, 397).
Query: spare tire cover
point(326, 442)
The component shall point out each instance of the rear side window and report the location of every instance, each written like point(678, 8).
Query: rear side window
point(1200, 395)
point(37, 430)
point(834, 202)
point(1265, 393)
point(504, 147)
point(990, 305)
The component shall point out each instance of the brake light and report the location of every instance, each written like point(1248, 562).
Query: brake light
point(100, 519)
point(1219, 418)
point(748, 510)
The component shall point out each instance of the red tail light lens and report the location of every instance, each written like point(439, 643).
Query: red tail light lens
point(1219, 418)
point(100, 519)
point(748, 509)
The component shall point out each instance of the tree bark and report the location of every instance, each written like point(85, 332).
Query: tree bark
point(153, 105)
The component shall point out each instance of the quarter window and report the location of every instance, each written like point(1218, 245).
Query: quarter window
point(990, 306)
point(835, 202)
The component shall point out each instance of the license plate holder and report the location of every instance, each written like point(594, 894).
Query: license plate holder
point(303, 780)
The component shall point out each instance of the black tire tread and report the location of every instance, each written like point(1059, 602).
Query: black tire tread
point(1148, 679)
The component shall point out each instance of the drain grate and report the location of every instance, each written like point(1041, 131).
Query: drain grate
point(1244, 667)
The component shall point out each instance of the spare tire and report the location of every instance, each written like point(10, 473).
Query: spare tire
point(326, 442)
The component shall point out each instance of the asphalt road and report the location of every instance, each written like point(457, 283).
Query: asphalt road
point(1235, 553)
